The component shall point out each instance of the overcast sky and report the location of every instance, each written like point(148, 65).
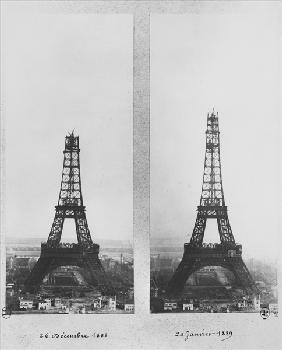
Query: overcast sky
point(75, 71)
point(229, 61)
point(65, 72)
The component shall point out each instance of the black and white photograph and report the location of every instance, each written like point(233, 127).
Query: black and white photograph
point(214, 162)
point(141, 192)
point(68, 127)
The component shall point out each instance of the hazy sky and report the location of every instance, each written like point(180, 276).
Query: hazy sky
point(229, 61)
point(65, 72)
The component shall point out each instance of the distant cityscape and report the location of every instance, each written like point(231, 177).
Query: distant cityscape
point(209, 289)
point(65, 290)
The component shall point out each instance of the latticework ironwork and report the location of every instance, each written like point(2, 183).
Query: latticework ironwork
point(84, 253)
point(227, 254)
point(70, 203)
point(212, 203)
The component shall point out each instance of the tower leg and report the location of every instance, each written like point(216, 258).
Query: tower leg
point(38, 273)
point(97, 275)
point(182, 273)
point(243, 276)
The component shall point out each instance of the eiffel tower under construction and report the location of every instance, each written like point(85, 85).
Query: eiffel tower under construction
point(84, 253)
point(227, 253)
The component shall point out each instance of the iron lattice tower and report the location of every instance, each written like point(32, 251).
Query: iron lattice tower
point(212, 203)
point(70, 203)
point(197, 254)
point(84, 253)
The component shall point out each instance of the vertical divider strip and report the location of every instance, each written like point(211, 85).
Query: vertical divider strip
point(141, 159)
